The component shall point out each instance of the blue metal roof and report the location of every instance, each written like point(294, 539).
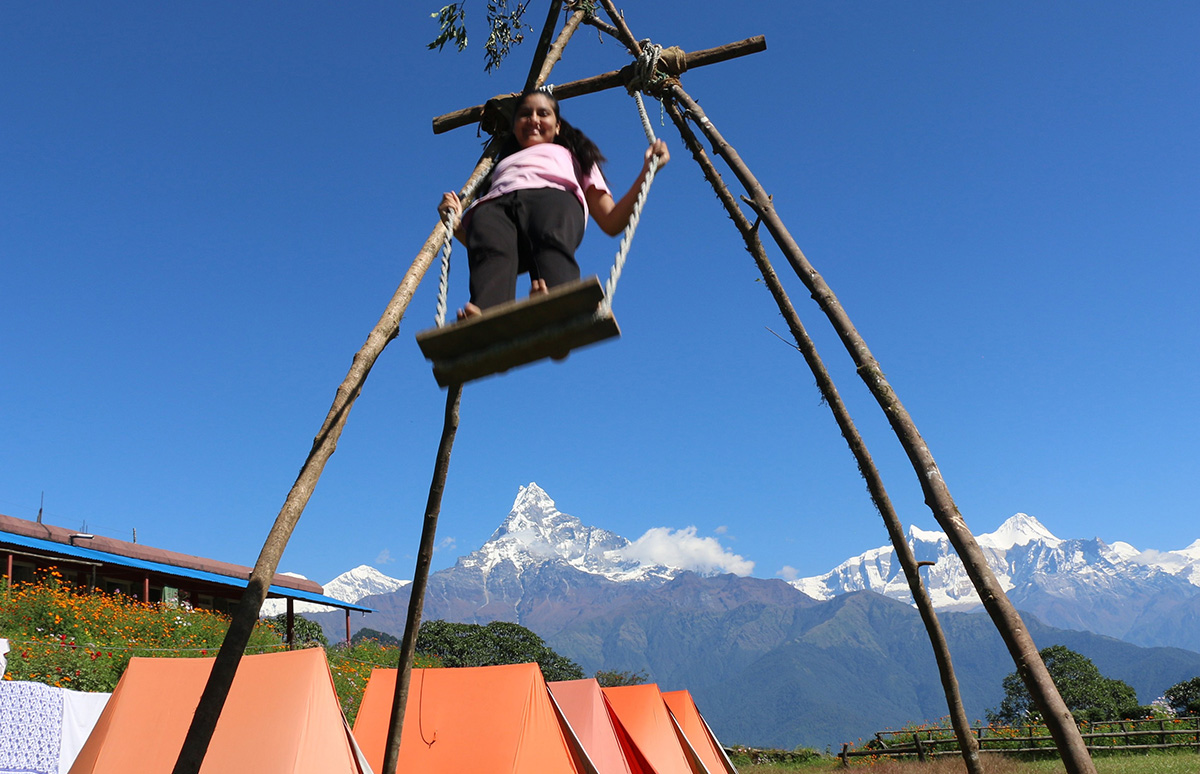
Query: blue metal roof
point(92, 555)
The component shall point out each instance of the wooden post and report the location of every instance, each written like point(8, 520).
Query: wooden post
point(416, 597)
point(844, 756)
point(937, 495)
point(146, 588)
point(858, 447)
point(542, 65)
point(291, 624)
point(245, 616)
point(347, 627)
point(920, 747)
point(544, 41)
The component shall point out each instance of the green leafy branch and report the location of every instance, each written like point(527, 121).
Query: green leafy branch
point(505, 25)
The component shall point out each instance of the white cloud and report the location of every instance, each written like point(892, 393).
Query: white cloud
point(721, 530)
point(788, 573)
point(445, 544)
point(683, 549)
point(385, 557)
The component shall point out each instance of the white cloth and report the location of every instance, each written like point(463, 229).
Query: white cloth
point(80, 712)
point(43, 728)
point(3, 650)
point(30, 728)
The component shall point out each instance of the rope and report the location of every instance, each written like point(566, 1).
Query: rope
point(645, 76)
point(439, 316)
point(450, 222)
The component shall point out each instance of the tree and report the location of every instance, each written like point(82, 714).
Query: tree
point(1184, 697)
point(505, 29)
point(614, 678)
point(499, 642)
point(303, 629)
point(383, 638)
point(1087, 693)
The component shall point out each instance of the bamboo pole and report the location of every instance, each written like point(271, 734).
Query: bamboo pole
point(543, 44)
point(937, 495)
point(543, 63)
point(416, 598)
point(858, 447)
point(216, 690)
point(212, 700)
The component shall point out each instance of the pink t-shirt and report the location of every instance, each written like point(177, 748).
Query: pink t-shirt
point(545, 165)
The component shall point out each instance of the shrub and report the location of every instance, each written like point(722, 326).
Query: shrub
point(351, 667)
point(1184, 697)
point(83, 639)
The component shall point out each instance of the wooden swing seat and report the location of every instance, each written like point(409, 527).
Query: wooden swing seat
point(519, 332)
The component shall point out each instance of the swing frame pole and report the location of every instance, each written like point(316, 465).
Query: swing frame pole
point(245, 615)
point(416, 598)
point(1007, 620)
point(544, 60)
point(604, 81)
point(967, 742)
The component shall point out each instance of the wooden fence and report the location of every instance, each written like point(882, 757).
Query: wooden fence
point(1116, 735)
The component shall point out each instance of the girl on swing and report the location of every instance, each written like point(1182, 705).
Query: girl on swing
point(533, 215)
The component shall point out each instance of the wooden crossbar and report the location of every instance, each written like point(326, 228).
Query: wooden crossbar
point(609, 80)
point(519, 332)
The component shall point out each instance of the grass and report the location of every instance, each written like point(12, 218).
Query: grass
point(1175, 762)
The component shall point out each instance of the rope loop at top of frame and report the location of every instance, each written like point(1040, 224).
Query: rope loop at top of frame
point(646, 76)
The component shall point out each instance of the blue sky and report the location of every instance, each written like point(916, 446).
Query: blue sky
point(204, 209)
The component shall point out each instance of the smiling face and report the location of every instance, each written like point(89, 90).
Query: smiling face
point(535, 120)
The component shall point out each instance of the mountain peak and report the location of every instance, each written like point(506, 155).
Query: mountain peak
point(363, 581)
point(532, 497)
point(1018, 530)
point(535, 532)
point(351, 586)
point(915, 534)
point(534, 515)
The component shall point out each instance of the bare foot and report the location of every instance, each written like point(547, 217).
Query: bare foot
point(470, 310)
point(538, 286)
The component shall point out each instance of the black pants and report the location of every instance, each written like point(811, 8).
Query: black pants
point(533, 230)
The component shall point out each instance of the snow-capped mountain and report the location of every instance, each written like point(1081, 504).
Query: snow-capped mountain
point(947, 582)
point(541, 566)
point(536, 532)
point(748, 646)
point(1184, 563)
point(350, 586)
point(1077, 584)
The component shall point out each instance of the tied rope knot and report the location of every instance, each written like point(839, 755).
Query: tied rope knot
point(646, 76)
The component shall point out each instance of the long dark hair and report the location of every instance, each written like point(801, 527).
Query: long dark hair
point(580, 145)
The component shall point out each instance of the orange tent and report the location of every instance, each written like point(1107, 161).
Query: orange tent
point(698, 733)
point(642, 713)
point(282, 716)
point(482, 720)
point(586, 711)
